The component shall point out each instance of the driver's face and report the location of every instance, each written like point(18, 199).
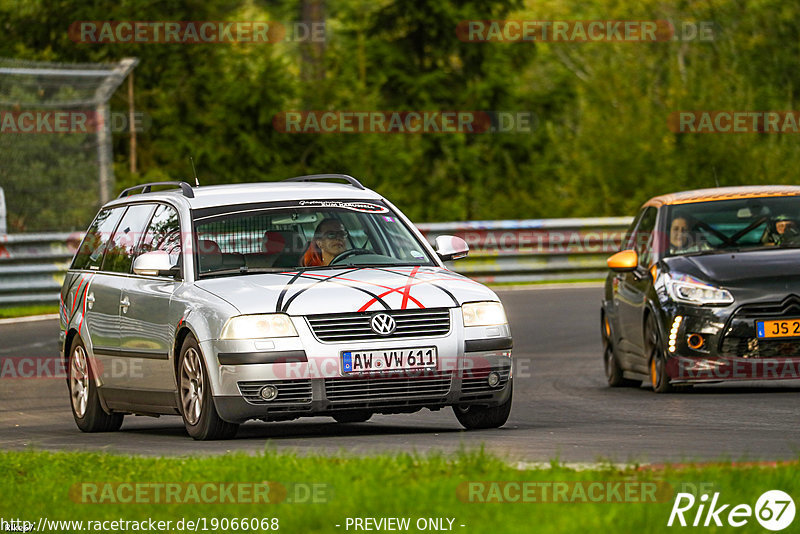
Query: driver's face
point(679, 233)
point(332, 241)
point(782, 226)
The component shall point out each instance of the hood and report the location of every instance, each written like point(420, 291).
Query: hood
point(347, 290)
point(741, 268)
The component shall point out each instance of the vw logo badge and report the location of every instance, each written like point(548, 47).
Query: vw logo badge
point(383, 324)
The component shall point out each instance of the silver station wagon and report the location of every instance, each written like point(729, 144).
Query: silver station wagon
point(275, 301)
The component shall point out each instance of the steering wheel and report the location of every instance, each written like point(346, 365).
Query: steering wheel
point(348, 253)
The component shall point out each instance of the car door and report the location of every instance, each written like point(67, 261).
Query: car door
point(121, 368)
point(147, 325)
point(94, 293)
point(631, 293)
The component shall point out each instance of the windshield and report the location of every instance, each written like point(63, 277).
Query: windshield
point(247, 239)
point(733, 225)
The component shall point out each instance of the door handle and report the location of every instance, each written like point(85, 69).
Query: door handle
point(90, 300)
point(124, 303)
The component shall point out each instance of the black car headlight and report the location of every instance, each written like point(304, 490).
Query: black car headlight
point(689, 290)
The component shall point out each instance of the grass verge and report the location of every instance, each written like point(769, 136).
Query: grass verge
point(24, 311)
point(37, 485)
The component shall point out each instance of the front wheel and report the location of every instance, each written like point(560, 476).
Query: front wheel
point(86, 408)
point(656, 358)
point(200, 416)
point(480, 417)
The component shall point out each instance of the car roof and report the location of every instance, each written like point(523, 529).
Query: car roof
point(232, 194)
point(723, 193)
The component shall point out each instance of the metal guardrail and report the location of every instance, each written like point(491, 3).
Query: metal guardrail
point(533, 250)
point(32, 266)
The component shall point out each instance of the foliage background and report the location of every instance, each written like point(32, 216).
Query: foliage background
point(601, 145)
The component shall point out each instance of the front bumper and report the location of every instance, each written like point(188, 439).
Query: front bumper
point(310, 381)
point(730, 349)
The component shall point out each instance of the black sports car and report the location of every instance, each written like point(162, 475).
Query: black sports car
point(706, 289)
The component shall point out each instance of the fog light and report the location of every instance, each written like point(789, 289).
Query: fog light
point(493, 379)
point(695, 341)
point(268, 393)
point(673, 333)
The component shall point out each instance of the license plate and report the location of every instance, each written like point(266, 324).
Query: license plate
point(370, 361)
point(778, 328)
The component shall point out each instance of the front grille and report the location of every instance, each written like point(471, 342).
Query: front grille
point(291, 393)
point(474, 385)
point(388, 391)
point(740, 340)
point(356, 326)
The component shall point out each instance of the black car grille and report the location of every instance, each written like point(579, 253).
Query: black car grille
point(740, 338)
point(291, 393)
point(356, 326)
point(388, 391)
point(474, 384)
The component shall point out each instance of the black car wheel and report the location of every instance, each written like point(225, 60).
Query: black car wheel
point(197, 405)
point(656, 358)
point(481, 417)
point(614, 374)
point(356, 416)
point(86, 408)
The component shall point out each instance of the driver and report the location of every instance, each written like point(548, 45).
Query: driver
point(682, 240)
point(784, 230)
point(328, 242)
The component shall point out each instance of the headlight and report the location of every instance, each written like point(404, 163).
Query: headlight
point(483, 314)
point(258, 326)
point(690, 290)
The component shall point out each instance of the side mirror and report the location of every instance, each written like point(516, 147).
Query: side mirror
point(450, 247)
point(155, 263)
point(623, 261)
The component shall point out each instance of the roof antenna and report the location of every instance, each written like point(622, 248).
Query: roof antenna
point(196, 181)
point(716, 180)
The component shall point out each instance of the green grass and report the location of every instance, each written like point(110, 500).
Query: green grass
point(37, 484)
point(24, 311)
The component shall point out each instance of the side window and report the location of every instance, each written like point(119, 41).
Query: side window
point(90, 253)
point(163, 233)
point(119, 255)
point(644, 236)
point(627, 241)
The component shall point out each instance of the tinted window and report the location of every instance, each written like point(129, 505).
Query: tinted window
point(119, 255)
point(90, 253)
point(163, 233)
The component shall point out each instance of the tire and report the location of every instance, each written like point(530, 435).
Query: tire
point(481, 417)
point(356, 416)
point(86, 408)
point(199, 414)
point(656, 358)
point(614, 374)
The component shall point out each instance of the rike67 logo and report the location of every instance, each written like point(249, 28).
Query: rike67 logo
point(774, 510)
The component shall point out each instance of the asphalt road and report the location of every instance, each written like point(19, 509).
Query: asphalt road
point(562, 407)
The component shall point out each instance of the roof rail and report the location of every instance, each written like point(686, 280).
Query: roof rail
point(186, 189)
point(320, 177)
